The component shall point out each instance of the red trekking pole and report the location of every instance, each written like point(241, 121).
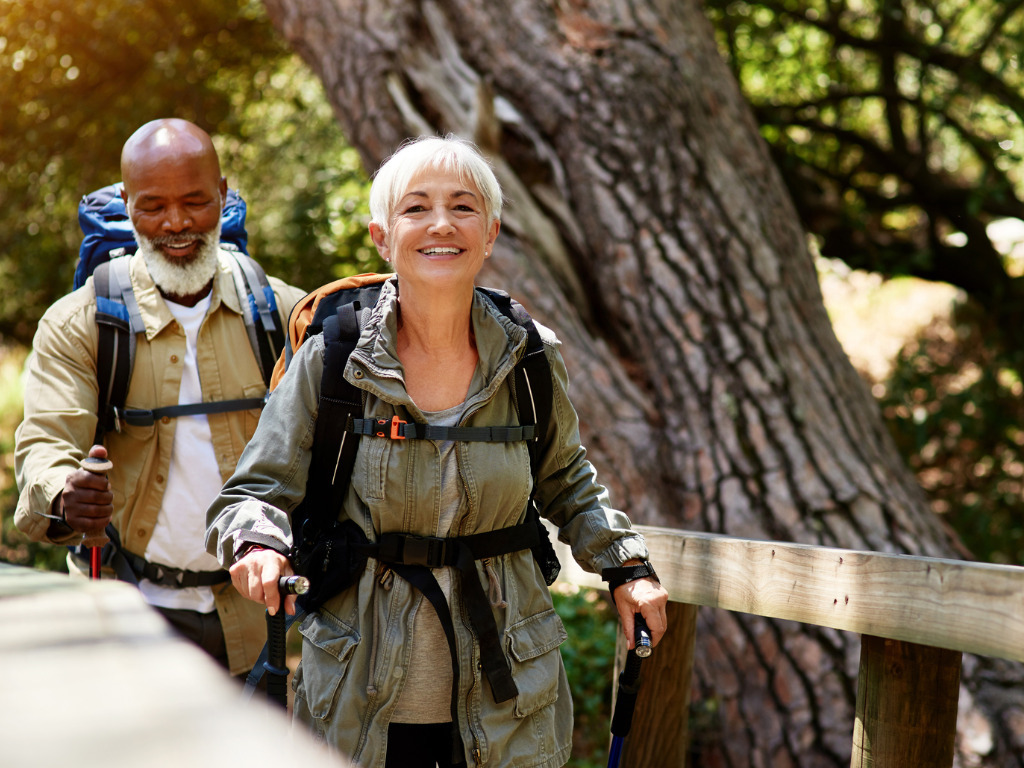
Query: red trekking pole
point(96, 541)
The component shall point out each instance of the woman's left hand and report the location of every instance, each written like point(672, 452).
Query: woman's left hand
point(648, 598)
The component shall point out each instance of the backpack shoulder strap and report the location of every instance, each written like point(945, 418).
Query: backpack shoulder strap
point(259, 309)
point(532, 376)
point(307, 316)
point(118, 319)
point(334, 447)
point(533, 393)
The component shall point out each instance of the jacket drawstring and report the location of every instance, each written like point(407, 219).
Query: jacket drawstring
point(494, 588)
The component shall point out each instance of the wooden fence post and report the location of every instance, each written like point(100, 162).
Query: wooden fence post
point(658, 738)
point(907, 698)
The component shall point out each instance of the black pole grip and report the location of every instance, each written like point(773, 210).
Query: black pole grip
point(629, 678)
point(276, 665)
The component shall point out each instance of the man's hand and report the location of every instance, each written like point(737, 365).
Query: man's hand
point(87, 503)
point(255, 576)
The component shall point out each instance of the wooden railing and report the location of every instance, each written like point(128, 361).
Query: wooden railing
point(93, 676)
point(916, 617)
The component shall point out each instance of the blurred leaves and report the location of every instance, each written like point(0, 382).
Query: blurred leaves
point(897, 125)
point(956, 409)
point(589, 659)
point(81, 76)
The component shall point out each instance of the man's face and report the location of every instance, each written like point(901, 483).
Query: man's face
point(174, 200)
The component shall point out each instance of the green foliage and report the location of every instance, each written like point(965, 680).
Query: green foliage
point(81, 76)
point(306, 190)
point(898, 126)
point(956, 409)
point(589, 658)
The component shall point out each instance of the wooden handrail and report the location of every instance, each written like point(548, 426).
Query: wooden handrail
point(916, 616)
point(954, 604)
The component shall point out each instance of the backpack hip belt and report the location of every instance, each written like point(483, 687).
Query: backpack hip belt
point(132, 568)
point(412, 557)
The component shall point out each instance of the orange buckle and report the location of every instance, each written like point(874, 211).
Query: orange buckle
point(395, 421)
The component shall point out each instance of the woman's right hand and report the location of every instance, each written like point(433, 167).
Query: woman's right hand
point(255, 576)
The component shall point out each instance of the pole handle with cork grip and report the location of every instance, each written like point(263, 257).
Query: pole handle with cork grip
point(95, 541)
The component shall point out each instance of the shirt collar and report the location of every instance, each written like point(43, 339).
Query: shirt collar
point(156, 315)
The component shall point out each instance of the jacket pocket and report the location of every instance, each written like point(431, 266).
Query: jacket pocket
point(536, 664)
point(327, 648)
point(375, 453)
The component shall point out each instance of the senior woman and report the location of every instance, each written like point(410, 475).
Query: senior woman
point(382, 678)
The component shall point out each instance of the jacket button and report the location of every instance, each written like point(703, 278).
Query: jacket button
point(174, 358)
point(165, 420)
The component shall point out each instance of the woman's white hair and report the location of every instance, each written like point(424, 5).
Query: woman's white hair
point(450, 155)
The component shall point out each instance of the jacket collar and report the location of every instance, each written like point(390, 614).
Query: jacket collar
point(500, 343)
point(156, 315)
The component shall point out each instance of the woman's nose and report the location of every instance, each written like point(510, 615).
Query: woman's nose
point(440, 221)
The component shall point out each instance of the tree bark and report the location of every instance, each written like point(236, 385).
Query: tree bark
point(647, 225)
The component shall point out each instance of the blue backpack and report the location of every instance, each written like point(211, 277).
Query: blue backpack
point(108, 231)
point(108, 241)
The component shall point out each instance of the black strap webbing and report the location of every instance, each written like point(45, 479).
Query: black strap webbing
point(396, 429)
point(140, 417)
point(333, 455)
point(167, 576)
point(423, 580)
point(406, 553)
point(118, 321)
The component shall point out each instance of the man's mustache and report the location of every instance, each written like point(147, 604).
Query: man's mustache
point(177, 239)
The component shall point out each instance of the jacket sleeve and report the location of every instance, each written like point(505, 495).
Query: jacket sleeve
point(270, 478)
point(568, 493)
point(60, 410)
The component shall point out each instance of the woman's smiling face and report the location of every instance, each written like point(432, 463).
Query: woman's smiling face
point(439, 235)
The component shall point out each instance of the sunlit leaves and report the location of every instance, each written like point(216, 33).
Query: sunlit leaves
point(79, 76)
point(871, 105)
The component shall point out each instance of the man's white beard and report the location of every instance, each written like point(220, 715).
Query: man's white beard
point(175, 279)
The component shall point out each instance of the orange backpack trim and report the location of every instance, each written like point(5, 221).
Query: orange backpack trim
point(304, 310)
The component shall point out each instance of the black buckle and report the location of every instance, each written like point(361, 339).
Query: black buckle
point(428, 551)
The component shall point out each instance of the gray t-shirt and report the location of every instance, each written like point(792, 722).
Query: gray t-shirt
point(427, 695)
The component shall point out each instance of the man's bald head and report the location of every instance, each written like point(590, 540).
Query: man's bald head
point(168, 140)
point(174, 194)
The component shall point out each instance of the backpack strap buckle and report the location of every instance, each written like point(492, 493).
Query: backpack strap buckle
point(395, 432)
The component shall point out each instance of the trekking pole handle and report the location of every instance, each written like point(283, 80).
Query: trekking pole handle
point(641, 637)
point(276, 665)
point(98, 467)
point(293, 585)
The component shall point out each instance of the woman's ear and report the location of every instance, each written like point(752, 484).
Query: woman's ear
point(492, 235)
point(380, 240)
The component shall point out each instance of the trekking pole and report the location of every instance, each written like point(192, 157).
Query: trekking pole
point(276, 665)
point(95, 542)
point(629, 687)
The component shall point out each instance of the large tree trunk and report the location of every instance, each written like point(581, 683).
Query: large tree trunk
point(647, 225)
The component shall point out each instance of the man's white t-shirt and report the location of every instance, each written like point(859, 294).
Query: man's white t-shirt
point(193, 481)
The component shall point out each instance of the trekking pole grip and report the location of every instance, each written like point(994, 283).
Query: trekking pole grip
point(629, 678)
point(98, 467)
point(276, 664)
